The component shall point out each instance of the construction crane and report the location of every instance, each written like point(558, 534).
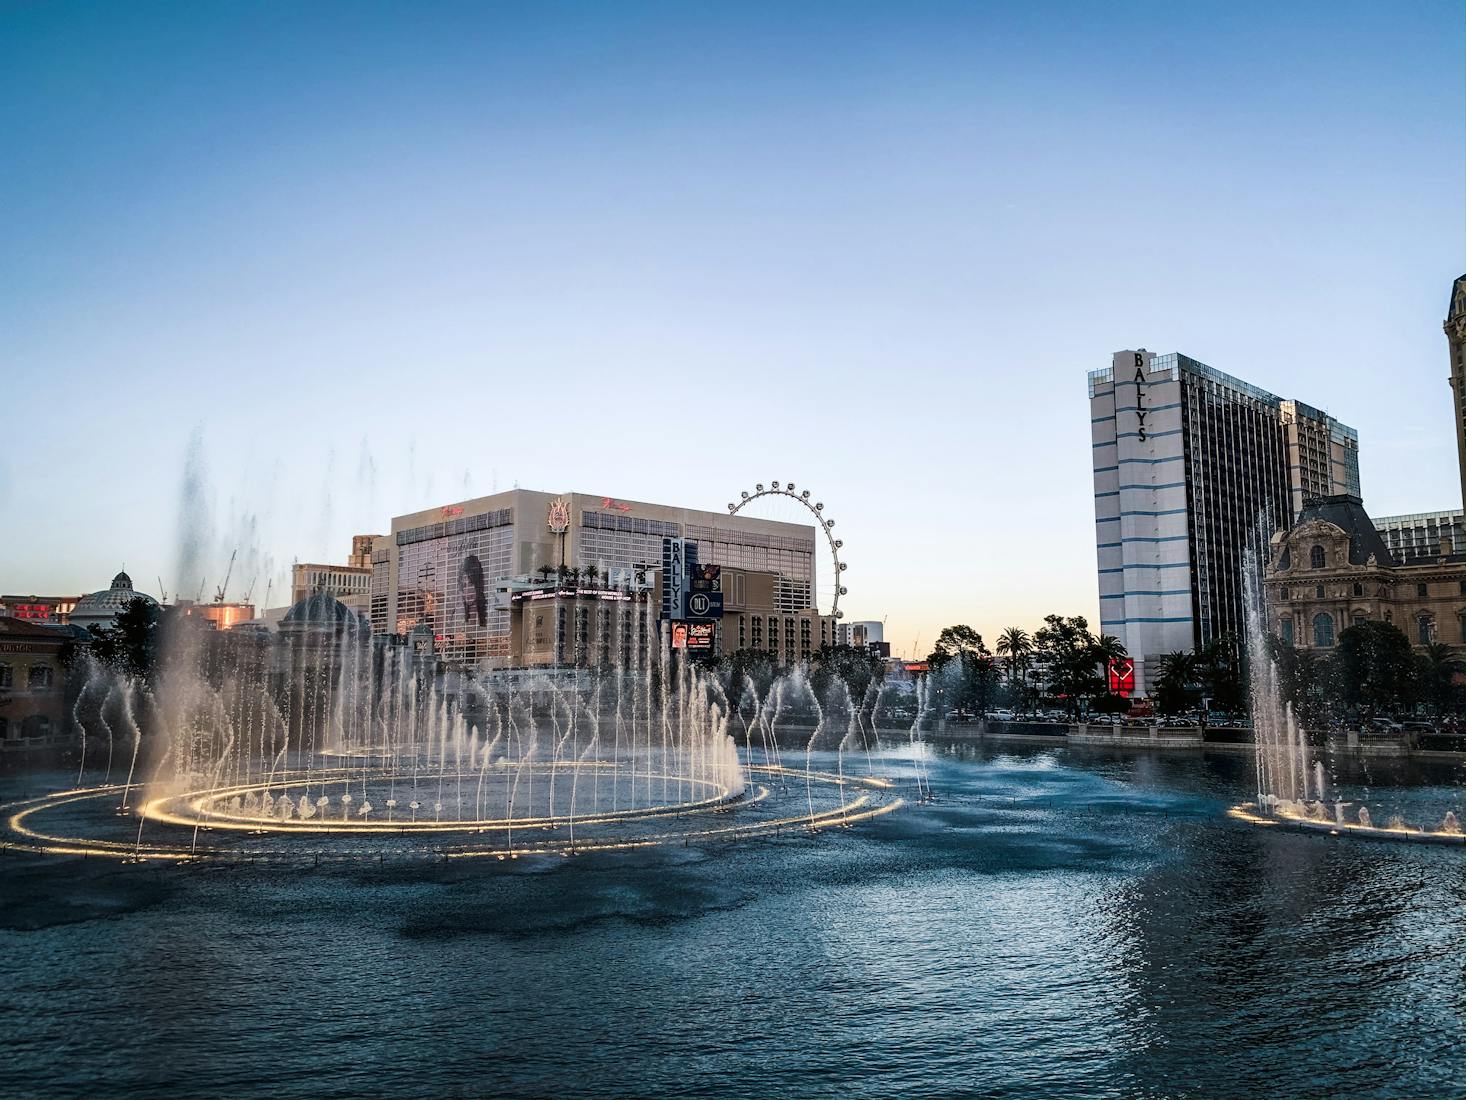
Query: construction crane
point(250, 591)
point(219, 592)
point(163, 592)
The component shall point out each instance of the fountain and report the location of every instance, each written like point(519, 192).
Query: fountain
point(1291, 785)
point(326, 740)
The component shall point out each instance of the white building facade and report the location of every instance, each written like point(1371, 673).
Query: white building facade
point(1186, 462)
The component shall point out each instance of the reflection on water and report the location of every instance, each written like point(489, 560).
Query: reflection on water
point(1056, 922)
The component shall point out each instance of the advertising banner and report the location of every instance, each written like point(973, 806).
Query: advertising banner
point(1122, 676)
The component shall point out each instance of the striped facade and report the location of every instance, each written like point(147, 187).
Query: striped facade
point(1186, 461)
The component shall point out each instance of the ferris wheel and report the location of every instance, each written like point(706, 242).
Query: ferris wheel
point(773, 491)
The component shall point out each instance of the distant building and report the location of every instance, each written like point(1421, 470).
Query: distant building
point(1422, 533)
point(1331, 570)
point(219, 615)
point(350, 583)
point(100, 609)
point(53, 610)
point(1186, 460)
point(32, 689)
point(1455, 326)
point(440, 569)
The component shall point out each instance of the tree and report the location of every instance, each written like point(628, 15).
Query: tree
point(544, 571)
point(591, 575)
point(1219, 668)
point(1175, 673)
point(963, 667)
point(1073, 656)
point(1438, 665)
point(1015, 644)
point(132, 643)
point(857, 668)
point(1376, 665)
point(743, 666)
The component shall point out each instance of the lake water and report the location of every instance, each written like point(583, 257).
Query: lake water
point(1058, 922)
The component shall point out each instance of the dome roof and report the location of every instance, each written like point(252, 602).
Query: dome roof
point(102, 607)
point(320, 609)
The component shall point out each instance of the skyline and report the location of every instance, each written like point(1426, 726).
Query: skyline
point(364, 261)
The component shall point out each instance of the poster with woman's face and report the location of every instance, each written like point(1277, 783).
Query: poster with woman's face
point(473, 600)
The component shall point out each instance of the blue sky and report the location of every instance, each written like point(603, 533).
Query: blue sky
point(377, 257)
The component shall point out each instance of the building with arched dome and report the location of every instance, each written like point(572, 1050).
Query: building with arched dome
point(100, 609)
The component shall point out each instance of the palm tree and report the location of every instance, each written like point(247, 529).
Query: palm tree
point(1109, 648)
point(591, 573)
point(544, 571)
point(1175, 672)
point(1440, 664)
point(1176, 669)
point(1015, 644)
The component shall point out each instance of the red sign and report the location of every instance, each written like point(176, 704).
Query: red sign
point(620, 506)
point(452, 510)
point(1122, 676)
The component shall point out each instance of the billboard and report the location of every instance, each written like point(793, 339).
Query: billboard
point(693, 637)
point(705, 592)
point(1121, 676)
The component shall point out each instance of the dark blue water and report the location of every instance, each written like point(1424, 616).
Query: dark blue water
point(1057, 924)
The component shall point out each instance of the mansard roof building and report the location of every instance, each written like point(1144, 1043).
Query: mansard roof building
point(1331, 569)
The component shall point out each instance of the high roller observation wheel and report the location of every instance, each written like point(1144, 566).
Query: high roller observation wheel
point(826, 525)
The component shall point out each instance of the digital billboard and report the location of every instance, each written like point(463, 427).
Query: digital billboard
point(1122, 676)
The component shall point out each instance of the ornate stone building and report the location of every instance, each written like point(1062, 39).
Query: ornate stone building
point(1332, 569)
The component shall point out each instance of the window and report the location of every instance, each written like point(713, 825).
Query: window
point(37, 725)
point(1358, 589)
point(1359, 618)
point(1316, 557)
point(1283, 593)
point(1463, 588)
point(1422, 591)
point(1285, 629)
point(1318, 591)
point(1424, 628)
point(5, 676)
point(1323, 631)
point(40, 677)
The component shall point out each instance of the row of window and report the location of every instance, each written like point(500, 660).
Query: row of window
point(1323, 629)
point(37, 725)
point(39, 678)
point(1422, 591)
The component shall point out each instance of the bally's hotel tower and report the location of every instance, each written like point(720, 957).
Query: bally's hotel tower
point(1186, 460)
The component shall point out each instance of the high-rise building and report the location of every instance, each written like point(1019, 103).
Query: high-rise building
point(440, 569)
point(1187, 460)
point(1455, 327)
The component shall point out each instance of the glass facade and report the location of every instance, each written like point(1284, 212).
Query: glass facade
point(446, 574)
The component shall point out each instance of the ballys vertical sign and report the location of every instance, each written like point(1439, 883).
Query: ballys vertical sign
point(1140, 392)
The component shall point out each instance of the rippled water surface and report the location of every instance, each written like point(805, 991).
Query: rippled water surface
point(1056, 924)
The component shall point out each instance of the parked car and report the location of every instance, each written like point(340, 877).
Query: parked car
point(1001, 715)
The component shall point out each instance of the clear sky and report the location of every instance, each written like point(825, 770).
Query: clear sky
point(377, 257)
